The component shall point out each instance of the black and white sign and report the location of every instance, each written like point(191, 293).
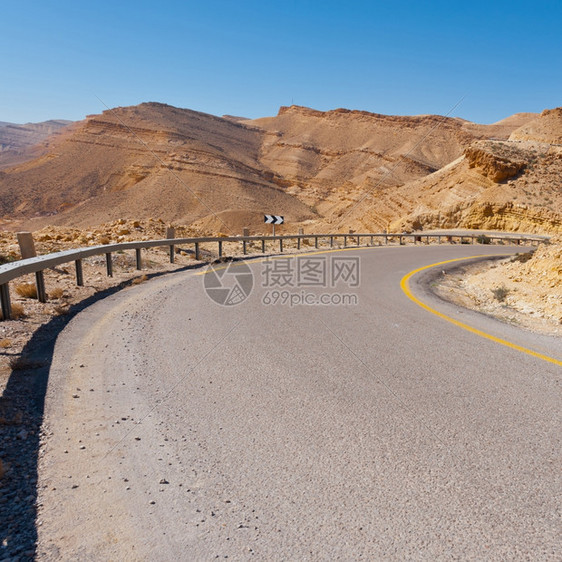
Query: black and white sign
point(273, 219)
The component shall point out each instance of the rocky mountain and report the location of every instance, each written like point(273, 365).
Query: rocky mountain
point(16, 140)
point(329, 170)
point(513, 184)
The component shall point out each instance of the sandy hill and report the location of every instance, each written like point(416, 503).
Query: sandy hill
point(142, 161)
point(545, 128)
point(16, 140)
point(333, 169)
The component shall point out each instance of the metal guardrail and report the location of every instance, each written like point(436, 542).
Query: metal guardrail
point(11, 271)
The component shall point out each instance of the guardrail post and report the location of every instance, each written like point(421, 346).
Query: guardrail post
point(372, 240)
point(26, 244)
point(5, 299)
point(386, 239)
point(244, 249)
point(171, 233)
point(316, 242)
point(109, 264)
point(197, 254)
point(263, 245)
point(79, 273)
point(220, 248)
point(281, 245)
point(331, 241)
point(138, 258)
point(345, 241)
point(299, 242)
point(40, 284)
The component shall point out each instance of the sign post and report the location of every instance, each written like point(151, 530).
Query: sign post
point(273, 220)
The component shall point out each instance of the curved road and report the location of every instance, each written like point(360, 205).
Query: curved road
point(184, 430)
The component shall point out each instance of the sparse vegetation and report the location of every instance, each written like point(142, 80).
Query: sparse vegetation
point(139, 280)
point(500, 293)
point(483, 239)
point(104, 240)
point(26, 290)
point(56, 293)
point(17, 312)
point(6, 259)
point(5, 343)
point(525, 257)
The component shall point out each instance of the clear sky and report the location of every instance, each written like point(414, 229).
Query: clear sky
point(250, 57)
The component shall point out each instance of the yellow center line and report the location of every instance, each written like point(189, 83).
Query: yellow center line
point(405, 286)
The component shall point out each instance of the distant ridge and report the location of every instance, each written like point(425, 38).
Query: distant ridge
point(15, 140)
point(327, 170)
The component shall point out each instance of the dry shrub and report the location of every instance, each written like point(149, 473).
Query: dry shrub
point(500, 293)
point(5, 343)
point(56, 293)
point(60, 310)
point(104, 240)
point(525, 257)
point(17, 312)
point(139, 280)
point(27, 290)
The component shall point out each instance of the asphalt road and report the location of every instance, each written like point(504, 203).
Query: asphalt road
point(179, 429)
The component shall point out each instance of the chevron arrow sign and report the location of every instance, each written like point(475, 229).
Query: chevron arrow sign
point(273, 219)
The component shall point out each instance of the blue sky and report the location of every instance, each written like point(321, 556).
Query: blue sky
point(479, 60)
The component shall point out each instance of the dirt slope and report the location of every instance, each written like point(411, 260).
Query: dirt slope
point(523, 290)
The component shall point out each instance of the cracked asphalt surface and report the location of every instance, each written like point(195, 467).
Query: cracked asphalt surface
point(178, 429)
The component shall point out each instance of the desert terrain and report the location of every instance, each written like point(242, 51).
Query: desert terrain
point(525, 290)
point(131, 172)
point(327, 171)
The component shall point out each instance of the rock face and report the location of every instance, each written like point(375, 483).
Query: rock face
point(314, 167)
point(494, 160)
point(500, 185)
